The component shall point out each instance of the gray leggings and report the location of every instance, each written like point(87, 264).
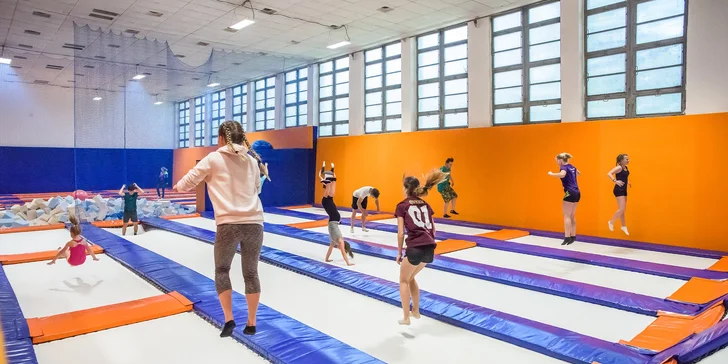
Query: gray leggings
point(250, 239)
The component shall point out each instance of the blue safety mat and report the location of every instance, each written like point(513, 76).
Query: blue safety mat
point(280, 338)
point(15, 327)
point(549, 340)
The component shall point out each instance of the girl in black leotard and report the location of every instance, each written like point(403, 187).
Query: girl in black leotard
point(620, 177)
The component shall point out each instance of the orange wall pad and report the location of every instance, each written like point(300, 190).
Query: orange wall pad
point(720, 266)
point(500, 174)
point(37, 256)
point(505, 234)
point(700, 291)
point(25, 229)
point(71, 324)
point(451, 245)
point(668, 329)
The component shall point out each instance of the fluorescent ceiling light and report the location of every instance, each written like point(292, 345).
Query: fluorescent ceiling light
point(242, 24)
point(339, 45)
point(97, 98)
point(214, 84)
point(158, 103)
point(138, 77)
point(5, 60)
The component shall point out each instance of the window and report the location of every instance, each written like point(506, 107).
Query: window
point(199, 121)
point(334, 97)
point(383, 87)
point(442, 79)
point(297, 97)
point(218, 114)
point(240, 105)
point(635, 58)
point(265, 103)
point(527, 65)
point(183, 113)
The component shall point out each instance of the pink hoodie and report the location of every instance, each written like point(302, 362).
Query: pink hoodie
point(232, 183)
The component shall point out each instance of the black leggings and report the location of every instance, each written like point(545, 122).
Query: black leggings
point(250, 239)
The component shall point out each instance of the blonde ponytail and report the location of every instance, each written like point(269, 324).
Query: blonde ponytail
point(234, 134)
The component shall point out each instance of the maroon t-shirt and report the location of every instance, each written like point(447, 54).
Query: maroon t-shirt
point(418, 224)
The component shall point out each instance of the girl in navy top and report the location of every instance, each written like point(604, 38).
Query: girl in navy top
point(620, 177)
point(572, 195)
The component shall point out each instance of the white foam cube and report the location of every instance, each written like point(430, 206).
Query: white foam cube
point(53, 220)
point(44, 217)
point(53, 202)
point(31, 215)
point(15, 209)
point(98, 198)
point(47, 210)
point(8, 214)
point(20, 223)
point(69, 199)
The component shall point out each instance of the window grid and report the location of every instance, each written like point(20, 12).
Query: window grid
point(297, 97)
point(527, 72)
point(240, 105)
point(630, 69)
point(183, 114)
point(334, 97)
point(383, 89)
point(200, 121)
point(442, 79)
point(218, 114)
point(265, 104)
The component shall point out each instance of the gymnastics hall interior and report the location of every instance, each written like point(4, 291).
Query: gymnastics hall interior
point(96, 94)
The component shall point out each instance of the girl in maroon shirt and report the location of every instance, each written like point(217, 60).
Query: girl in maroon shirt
point(415, 216)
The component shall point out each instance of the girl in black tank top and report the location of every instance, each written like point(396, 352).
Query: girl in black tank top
point(619, 175)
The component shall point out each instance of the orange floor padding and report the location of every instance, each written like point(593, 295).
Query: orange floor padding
point(309, 224)
point(670, 329)
point(175, 217)
point(26, 229)
point(720, 266)
point(37, 256)
point(108, 224)
point(451, 245)
point(700, 291)
point(505, 234)
point(297, 207)
point(65, 325)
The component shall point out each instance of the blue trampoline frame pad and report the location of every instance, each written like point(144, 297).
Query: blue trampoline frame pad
point(18, 345)
point(280, 339)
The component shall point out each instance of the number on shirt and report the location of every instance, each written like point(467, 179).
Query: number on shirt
point(420, 216)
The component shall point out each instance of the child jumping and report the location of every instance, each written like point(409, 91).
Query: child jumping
point(359, 203)
point(328, 179)
point(414, 217)
point(130, 206)
point(75, 250)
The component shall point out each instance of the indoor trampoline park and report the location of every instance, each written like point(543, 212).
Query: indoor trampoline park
point(363, 181)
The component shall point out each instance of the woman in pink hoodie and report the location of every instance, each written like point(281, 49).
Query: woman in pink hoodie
point(232, 174)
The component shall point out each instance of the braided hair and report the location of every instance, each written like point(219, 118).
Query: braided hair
point(233, 133)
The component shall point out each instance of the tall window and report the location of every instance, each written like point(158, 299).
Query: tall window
point(442, 79)
point(183, 114)
point(635, 57)
point(383, 87)
point(334, 97)
point(218, 114)
point(527, 65)
point(296, 97)
point(240, 105)
point(199, 121)
point(265, 103)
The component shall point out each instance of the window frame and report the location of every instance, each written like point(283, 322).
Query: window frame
point(199, 111)
point(441, 79)
point(525, 65)
point(219, 106)
point(183, 124)
point(630, 50)
point(242, 116)
point(383, 89)
point(334, 71)
point(298, 103)
point(267, 110)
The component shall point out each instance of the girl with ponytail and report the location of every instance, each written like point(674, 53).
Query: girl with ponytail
point(233, 175)
point(75, 250)
point(414, 217)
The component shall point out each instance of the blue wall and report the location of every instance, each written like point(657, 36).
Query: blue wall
point(28, 170)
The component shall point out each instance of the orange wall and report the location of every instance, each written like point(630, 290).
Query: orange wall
point(678, 178)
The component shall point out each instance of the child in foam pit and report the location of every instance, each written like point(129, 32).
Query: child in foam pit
point(75, 250)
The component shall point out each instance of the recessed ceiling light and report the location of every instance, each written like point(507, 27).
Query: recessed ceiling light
point(214, 84)
point(97, 98)
point(138, 77)
point(5, 60)
point(158, 103)
point(242, 24)
point(339, 45)
point(155, 13)
point(204, 44)
point(42, 14)
point(32, 32)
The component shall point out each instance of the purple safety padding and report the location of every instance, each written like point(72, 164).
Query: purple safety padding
point(14, 326)
point(280, 338)
point(20, 351)
point(549, 340)
point(695, 252)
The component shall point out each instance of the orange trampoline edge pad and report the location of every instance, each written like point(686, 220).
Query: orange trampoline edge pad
point(720, 266)
point(26, 229)
point(452, 245)
point(57, 327)
point(37, 256)
point(505, 234)
point(700, 291)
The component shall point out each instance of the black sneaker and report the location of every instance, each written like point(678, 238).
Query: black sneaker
point(571, 240)
point(566, 241)
point(249, 330)
point(446, 216)
point(227, 330)
point(454, 212)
